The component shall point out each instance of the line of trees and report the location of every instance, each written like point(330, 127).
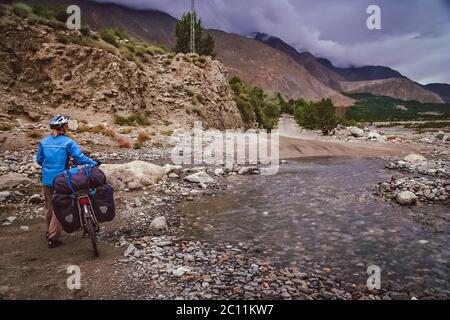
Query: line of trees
point(255, 105)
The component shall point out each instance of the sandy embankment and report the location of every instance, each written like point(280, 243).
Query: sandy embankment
point(293, 144)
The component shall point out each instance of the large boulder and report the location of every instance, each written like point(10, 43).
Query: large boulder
point(199, 177)
point(373, 135)
point(415, 158)
point(356, 132)
point(12, 180)
point(406, 198)
point(133, 174)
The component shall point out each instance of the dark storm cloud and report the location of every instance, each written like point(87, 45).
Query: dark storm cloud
point(414, 39)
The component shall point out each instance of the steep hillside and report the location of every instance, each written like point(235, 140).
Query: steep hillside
point(400, 88)
point(44, 70)
point(442, 89)
point(151, 26)
point(158, 28)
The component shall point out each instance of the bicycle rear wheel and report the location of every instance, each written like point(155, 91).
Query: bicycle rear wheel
point(91, 231)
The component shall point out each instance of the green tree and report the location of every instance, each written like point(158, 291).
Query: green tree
point(320, 115)
point(204, 45)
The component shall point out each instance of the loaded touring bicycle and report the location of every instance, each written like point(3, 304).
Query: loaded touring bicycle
point(82, 200)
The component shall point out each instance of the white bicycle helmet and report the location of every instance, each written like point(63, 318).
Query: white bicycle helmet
point(58, 121)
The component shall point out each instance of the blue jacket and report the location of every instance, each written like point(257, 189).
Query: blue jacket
point(53, 155)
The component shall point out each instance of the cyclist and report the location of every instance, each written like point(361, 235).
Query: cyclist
point(53, 155)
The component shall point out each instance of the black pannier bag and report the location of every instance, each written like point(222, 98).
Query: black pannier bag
point(79, 179)
point(103, 203)
point(90, 180)
point(66, 211)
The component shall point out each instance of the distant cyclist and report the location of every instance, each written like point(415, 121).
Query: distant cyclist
point(53, 154)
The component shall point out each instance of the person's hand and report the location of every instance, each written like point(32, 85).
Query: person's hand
point(98, 163)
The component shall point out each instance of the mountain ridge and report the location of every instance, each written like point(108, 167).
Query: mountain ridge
point(379, 80)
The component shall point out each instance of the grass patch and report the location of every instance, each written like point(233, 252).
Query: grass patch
point(5, 127)
point(376, 108)
point(22, 10)
point(114, 36)
point(189, 92)
point(138, 144)
point(2, 10)
point(34, 134)
point(122, 142)
point(133, 120)
point(167, 132)
point(98, 129)
point(154, 50)
point(126, 130)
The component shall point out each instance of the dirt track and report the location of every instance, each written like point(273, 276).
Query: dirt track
point(29, 270)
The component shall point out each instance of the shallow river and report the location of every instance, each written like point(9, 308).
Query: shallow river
point(321, 215)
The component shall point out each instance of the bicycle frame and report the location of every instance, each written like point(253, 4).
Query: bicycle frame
point(85, 210)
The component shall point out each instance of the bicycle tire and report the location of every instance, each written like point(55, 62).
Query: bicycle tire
point(91, 231)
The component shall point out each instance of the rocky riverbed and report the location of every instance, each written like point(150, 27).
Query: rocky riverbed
point(209, 232)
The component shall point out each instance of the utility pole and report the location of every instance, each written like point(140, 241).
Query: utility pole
point(193, 21)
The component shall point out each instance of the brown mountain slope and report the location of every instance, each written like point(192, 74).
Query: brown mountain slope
point(321, 72)
point(400, 88)
point(254, 62)
point(318, 70)
point(39, 75)
point(259, 64)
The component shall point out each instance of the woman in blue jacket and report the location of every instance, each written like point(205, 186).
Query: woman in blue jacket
point(53, 155)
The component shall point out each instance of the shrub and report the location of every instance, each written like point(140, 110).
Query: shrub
point(85, 30)
point(126, 130)
point(109, 132)
point(122, 142)
point(133, 120)
point(143, 136)
point(63, 38)
point(5, 127)
point(2, 10)
point(99, 129)
point(138, 144)
point(51, 12)
point(167, 132)
point(22, 10)
point(189, 92)
point(152, 50)
point(200, 98)
point(109, 36)
point(34, 134)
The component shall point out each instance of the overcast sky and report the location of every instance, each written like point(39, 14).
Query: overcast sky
point(414, 37)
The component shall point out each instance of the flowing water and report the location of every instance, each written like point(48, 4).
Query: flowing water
point(322, 216)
